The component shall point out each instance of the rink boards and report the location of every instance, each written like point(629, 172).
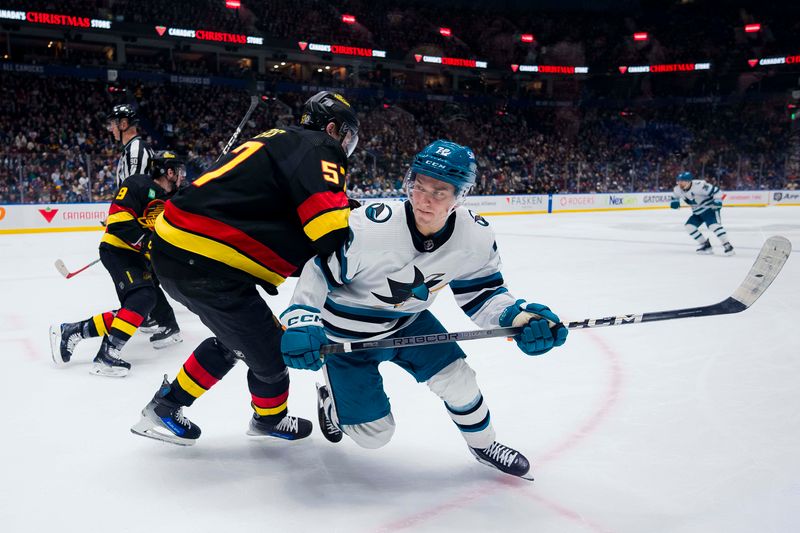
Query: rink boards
point(46, 218)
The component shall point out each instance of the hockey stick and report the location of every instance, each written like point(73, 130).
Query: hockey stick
point(62, 268)
point(768, 264)
point(254, 101)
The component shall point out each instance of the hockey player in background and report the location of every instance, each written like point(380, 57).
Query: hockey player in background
point(381, 285)
point(252, 219)
point(122, 123)
point(706, 202)
point(123, 251)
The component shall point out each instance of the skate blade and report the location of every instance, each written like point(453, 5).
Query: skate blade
point(55, 346)
point(146, 428)
point(169, 341)
point(149, 330)
point(99, 369)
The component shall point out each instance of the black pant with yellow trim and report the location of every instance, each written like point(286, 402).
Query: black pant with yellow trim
point(245, 329)
point(130, 272)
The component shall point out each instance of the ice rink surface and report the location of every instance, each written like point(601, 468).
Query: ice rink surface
point(681, 426)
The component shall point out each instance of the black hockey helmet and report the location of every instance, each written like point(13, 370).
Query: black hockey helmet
point(123, 111)
point(326, 107)
point(164, 160)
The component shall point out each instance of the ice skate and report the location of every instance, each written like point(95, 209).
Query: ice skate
point(107, 362)
point(149, 326)
point(326, 425)
point(163, 420)
point(727, 249)
point(63, 340)
point(705, 249)
point(504, 459)
point(166, 336)
point(289, 428)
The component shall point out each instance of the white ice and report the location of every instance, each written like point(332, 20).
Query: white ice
point(682, 426)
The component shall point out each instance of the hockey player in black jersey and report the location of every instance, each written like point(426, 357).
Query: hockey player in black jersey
point(123, 251)
point(253, 219)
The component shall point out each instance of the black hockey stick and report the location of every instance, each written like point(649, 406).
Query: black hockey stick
point(254, 101)
point(768, 264)
point(64, 271)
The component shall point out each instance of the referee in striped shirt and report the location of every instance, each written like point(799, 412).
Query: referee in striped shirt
point(136, 154)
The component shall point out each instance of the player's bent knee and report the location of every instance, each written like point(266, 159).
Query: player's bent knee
point(455, 383)
point(141, 300)
point(371, 435)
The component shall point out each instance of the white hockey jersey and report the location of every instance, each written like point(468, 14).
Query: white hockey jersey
point(701, 195)
point(388, 273)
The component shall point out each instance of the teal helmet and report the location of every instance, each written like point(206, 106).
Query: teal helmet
point(445, 161)
point(684, 176)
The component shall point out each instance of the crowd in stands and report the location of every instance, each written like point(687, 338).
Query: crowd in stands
point(54, 146)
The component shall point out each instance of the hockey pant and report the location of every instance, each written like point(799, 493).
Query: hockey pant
point(138, 293)
point(712, 219)
point(360, 407)
point(244, 328)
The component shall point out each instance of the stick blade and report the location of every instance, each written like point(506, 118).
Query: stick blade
point(770, 261)
point(62, 268)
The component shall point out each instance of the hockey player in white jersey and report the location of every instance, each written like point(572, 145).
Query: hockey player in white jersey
point(381, 284)
point(706, 202)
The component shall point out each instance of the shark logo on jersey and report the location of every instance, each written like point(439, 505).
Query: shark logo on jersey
point(477, 218)
point(420, 288)
point(379, 213)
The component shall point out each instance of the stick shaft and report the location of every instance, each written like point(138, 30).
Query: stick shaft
point(767, 265)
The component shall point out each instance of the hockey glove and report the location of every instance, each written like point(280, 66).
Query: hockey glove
point(303, 338)
point(541, 328)
point(717, 204)
point(675, 204)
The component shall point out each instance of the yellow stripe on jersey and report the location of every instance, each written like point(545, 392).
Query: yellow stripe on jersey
point(189, 385)
point(113, 240)
point(100, 325)
point(214, 250)
point(122, 216)
point(262, 411)
point(325, 223)
point(118, 323)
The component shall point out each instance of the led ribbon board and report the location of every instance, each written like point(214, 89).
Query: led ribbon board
point(450, 61)
point(54, 19)
point(657, 69)
point(341, 49)
point(551, 69)
point(209, 35)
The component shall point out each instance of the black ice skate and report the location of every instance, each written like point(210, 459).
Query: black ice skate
point(149, 325)
point(705, 248)
point(289, 428)
point(166, 336)
point(108, 363)
point(163, 420)
point(505, 459)
point(63, 340)
point(727, 249)
point(326, 425)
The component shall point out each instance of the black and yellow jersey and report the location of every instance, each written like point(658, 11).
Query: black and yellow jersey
point(133, 213)
point(262, 210)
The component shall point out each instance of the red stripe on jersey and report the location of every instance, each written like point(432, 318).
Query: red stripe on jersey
point(219, 231)
point(266, 403)
point(132, 318)
point(193, 367)
point(321, 201)
point(117, 208)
